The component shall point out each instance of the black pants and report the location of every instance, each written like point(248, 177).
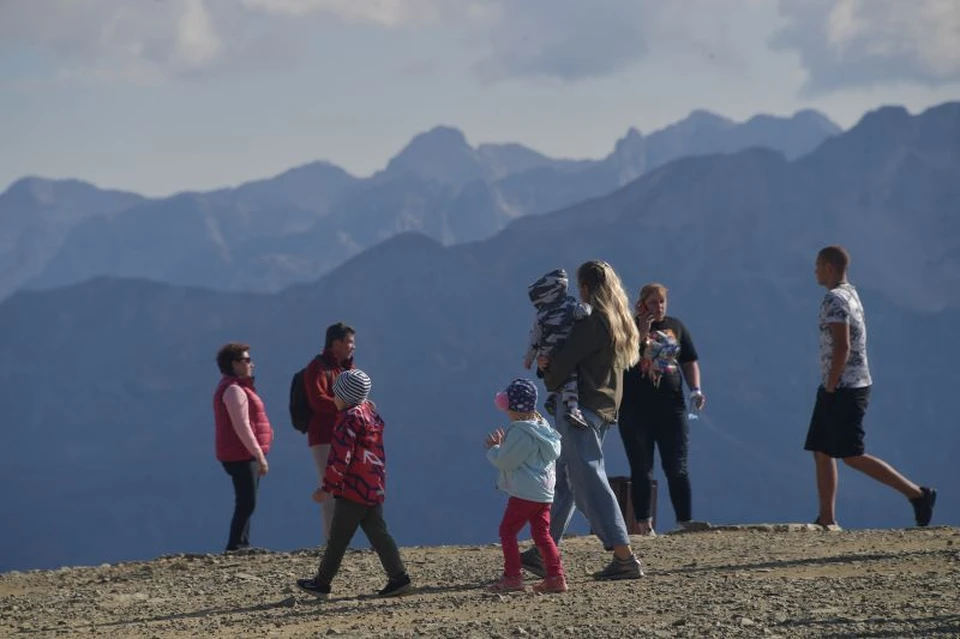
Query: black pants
point(660, 423)
point(246, 480)
point(347, 516)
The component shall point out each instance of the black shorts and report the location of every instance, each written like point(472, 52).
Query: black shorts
point(836, 428)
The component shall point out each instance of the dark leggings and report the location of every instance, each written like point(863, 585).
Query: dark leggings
point(246, 479)
point(661, 422)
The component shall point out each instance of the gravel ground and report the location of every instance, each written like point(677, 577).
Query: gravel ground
point(754, 581)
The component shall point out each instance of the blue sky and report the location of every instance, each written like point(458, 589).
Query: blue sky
point(159, 96)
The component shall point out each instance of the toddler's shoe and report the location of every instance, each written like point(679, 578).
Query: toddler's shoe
point(551, 584)
point(575, 418)
point(508, 584)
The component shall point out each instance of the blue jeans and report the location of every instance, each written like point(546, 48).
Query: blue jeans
point(582, 481)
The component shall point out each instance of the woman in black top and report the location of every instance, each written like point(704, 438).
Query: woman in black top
point(654, 413)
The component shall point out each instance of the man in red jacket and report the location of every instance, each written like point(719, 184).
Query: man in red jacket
point(337, 356)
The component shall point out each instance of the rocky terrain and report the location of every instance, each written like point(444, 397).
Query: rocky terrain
point(750, 581)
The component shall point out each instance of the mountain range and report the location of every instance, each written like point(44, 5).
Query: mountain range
point(107, 383)
point(267, 234)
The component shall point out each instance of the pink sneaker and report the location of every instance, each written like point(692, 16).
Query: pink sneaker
point(551, 584)
point(507, 584)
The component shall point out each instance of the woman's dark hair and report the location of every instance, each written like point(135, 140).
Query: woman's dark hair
point(228, 354)
point(336, 332)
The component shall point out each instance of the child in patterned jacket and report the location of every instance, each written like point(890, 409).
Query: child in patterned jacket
point(556, 314)
point(356, 478)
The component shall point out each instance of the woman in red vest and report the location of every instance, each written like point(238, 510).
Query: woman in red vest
point(243, 436)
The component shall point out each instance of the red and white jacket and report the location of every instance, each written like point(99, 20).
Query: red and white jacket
point(357, 466)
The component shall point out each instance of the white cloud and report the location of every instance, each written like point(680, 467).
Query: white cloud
point(839, 42)
point(843, 43)
point(386, 13)
point(564, 39)
point(115, 39)
point(567, 39)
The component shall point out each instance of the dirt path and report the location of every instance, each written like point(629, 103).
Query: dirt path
point(729, 583)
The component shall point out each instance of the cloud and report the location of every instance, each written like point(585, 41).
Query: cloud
point(564, 39)
point(849, 43)
point(115, 39)
point(840, 43)
point(386, 13)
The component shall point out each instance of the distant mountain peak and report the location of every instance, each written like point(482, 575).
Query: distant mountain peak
point(439, 137)
point(631, 143)
point(702, 117)
point(508, 158)
point(884, 116)
point(441, 154)
point(52, 190)
point(813, 115)
point(317, 167)
point(632, 135)
point(38, 185)
point(810, 118)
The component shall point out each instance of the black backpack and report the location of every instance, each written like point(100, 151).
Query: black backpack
point(300, 411)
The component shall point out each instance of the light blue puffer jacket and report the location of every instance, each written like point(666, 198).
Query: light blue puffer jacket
point(527, 460)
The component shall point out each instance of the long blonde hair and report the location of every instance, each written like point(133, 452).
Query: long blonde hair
point(607, 297)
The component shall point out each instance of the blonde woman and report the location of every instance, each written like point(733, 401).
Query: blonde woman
point(600, 347)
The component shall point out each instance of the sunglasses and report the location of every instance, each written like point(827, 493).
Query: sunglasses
point(245, 360)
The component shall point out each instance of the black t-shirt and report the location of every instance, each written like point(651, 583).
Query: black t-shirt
point(636, 386)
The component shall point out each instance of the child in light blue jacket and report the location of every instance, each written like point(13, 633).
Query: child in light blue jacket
point(526, 452)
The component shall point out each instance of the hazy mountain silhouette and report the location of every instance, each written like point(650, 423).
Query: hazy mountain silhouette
point(36, 215)
point(108, 383)
point(293, 227)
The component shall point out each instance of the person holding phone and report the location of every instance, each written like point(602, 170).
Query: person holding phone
point(654, 414)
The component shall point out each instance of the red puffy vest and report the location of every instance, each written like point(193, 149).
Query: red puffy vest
point(228, 444)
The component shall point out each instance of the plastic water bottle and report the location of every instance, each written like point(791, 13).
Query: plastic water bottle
point(693, 411)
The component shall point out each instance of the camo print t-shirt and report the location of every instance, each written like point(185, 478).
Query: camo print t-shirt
point(841, 305)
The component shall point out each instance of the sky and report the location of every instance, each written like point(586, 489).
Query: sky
point(161, 96)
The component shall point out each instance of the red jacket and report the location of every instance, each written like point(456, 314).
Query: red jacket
point(318, 380)
point(357, 466)
point(227, 444)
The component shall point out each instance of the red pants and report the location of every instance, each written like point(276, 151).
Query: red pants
point(519, 512)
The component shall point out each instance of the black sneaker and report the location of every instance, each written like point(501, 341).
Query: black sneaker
point(531, 561)
point(314, 587)
point(629, 568)
point(246, 550)
point(396, 586)
point(923, 506)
